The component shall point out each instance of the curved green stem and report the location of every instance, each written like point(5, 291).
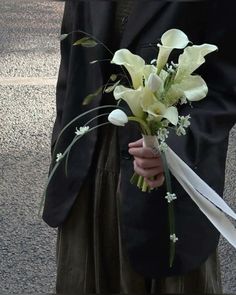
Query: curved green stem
point(58, 163)
point(171, 215)
point(74, 140)
point(76, 118)
point(91, 36)
point(100, 42)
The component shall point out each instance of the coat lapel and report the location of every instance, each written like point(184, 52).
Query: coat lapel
point(143, 12)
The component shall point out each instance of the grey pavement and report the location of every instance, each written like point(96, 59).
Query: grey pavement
point(29, 61)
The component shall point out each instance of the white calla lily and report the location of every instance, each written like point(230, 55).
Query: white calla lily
point(132, 97)
point(171, 39)
point(172, 115)
point(148, 70)
point(133, 63)
point(193, 88)
point(157, 109)
point(118, 118)
point(174, 38)
point(154, 82)
point(192, 58)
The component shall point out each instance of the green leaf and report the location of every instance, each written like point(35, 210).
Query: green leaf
point(89, 98)
point(86, 42)
point(63, 37)
point(111, 88)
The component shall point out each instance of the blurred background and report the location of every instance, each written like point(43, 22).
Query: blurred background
point(29, 62)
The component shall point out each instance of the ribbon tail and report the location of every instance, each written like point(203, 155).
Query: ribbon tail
point(185, 172)
point(216, 216)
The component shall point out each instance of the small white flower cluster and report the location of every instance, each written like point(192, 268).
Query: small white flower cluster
point(165, 123)
point(162, 135)
point(82, 130)
point(170, 197)
point(59, 157)
point(163, 146)
point(173, 238)
point(183, 123)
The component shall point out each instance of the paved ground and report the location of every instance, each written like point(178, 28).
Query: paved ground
point(29, 58)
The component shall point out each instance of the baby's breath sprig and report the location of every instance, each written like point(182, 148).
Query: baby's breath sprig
point(182, 125)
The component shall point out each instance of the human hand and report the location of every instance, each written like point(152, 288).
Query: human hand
point(147, 163)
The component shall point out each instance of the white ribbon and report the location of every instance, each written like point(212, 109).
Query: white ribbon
point(204, 196)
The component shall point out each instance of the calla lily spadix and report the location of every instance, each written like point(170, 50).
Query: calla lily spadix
point(171, 39)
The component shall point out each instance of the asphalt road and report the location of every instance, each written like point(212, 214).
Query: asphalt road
point(29, 60)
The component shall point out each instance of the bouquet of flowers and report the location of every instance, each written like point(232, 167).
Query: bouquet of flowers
point(158, 88)
point(155, 91)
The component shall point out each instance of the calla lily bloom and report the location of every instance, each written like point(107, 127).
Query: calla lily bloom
point(171, 39)
point(133, 63)
point(156, 109)
point(193, 88)
point(118, 118)
point(135, 66)
point(155, 83)
point(132, 97)
point(186, 86)
point(192, 58)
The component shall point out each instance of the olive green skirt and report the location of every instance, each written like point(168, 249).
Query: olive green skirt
point(90, 256)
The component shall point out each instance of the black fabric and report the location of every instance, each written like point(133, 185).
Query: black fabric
point(123, 9)
point(144, 217)
point(91, 258)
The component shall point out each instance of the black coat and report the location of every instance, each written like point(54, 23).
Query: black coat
point(144, 217)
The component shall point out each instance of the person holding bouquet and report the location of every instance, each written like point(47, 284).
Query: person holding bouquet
point(112, 237)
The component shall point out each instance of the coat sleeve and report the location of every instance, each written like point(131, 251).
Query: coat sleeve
point(65, 50)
